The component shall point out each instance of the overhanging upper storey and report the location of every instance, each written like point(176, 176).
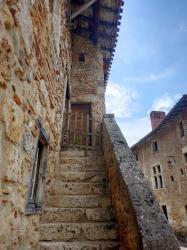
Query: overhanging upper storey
point(98, 20)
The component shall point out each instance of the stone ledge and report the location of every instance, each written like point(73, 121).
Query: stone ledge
point(136, 206)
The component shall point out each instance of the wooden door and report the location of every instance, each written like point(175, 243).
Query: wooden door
point(81, 123)
point(84, 108)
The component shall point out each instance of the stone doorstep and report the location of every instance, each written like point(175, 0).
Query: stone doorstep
point(78, 245)
point(78, 231)
point(78, 167)
point(78, 201)
point(80, 176)
point(58, 215)
point(77, 188)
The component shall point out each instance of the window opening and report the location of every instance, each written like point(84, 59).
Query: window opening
point(160, 181)
point(155, 147)
point(186, 209)
point(172, 178)
point(156, 182)
point(81, 57)
point(159, 170)
point(157, 177)
point(182, 172)
point(185, 157)
point(38, 172)
point(164, 208)
point(136, 156)
point(181, 129)
point(154, 170)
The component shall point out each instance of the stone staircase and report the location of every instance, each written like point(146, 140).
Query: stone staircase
point(78, 213)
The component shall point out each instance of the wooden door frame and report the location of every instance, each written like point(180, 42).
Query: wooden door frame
point(84, 103)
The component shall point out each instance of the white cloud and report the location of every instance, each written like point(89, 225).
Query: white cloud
point(165, 102)
point(120, 100)
point(150, 77)
point(135, 130)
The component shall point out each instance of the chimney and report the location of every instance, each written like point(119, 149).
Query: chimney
point(156, 118)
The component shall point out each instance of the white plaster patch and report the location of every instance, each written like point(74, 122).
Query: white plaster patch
point(43, 89)
point(27, 140)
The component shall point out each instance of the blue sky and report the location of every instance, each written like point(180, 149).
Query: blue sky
point(149, 70)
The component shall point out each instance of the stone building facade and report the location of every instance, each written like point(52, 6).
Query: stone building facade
point(35, 62)
point(162, 154)
point(38, 51)
point(87, 78)
point(55, 55)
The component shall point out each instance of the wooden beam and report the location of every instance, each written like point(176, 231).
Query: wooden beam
point(95, 9)
point(101, 22)
point(110, 9)
point(82, 9)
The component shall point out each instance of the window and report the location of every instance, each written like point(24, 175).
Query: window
point(164, 208)
point(81, 57)
point(38, 172)
point(185, 157)
point(157, 177)
point(172, 178)
point(182, 172)
point(136, 156)
point(155, 146)
point(186, 209)
point(181, 128)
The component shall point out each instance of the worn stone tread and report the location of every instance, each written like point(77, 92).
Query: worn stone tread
point(73, 153)
point(78, 167)
point(79, 211)
point(78, 201)
point(78, 231)
point(80, 176)
point(78, 245)
point(77, 188)
point(87, 160)
point(52, 215)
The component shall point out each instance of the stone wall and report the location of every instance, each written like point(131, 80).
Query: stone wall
point(35, 62)
point(171, 147)
point(87, 78)
point(142, 224)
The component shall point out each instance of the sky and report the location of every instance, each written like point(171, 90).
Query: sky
point(149, 70)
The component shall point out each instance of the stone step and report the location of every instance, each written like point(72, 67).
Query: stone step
point(78, 231)
point(78, 245)
point(78, 201)
point(58, 215)
point(59, 169)
point(81, 176)
point(76, 188)
point(73, 153)
point(87, 160)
